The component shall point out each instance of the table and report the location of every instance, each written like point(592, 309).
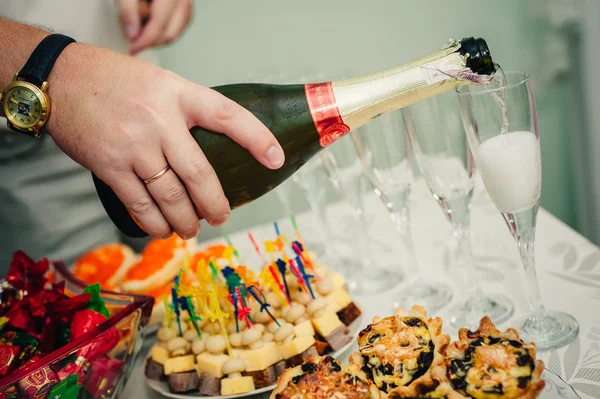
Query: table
point(568, 273)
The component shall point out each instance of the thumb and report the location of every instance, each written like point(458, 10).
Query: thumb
point(130, 18)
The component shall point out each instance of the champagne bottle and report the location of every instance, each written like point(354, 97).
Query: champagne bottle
point(307, 118)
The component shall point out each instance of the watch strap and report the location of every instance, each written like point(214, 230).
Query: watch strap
point(38, 66)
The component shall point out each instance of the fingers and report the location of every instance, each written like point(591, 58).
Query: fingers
point(170, 195)
point(213, 111)
point(179, 20)
point(188, 161)
point(160, 15)
point(130, 18)
point(133, 194)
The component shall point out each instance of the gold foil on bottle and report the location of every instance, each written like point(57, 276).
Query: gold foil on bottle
point(363, 98)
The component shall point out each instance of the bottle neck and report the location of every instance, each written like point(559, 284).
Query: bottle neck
point(341, 106)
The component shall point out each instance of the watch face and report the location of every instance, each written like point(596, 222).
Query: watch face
point(23, 107)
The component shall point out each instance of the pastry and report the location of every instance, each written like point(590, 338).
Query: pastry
point(488, 363)
point(399, 352)
point(407, 356)
point(324, 378)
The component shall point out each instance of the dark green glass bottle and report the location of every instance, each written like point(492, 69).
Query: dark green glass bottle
point(306, 118)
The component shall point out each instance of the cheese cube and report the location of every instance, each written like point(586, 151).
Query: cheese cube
point(304, 328)
point(211, 364)
point(235, 386)
point(261, 358)
point(296, 346)
point(339, 282)
point(179, 364)
point(338, 300)
point(326, 323)
point(159, 354)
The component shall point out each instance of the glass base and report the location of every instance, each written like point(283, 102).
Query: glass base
point(497, 307)
point(373, 280)
point(554, 330)
point(432, 297)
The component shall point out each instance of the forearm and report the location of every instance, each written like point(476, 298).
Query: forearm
point(17, 42)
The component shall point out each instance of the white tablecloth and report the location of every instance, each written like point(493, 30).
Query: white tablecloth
point(568, 272)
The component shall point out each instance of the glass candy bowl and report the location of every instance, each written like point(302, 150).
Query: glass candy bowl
point(102, 377)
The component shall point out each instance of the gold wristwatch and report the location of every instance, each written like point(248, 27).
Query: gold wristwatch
point(25, 102)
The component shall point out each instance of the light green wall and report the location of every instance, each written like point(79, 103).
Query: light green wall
point(232, 41)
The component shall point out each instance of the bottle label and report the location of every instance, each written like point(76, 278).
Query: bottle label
point(325, 113)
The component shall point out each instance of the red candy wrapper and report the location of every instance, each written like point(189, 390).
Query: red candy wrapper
point(8, 354)
point(38, 384)
point(16, 348)
point(26, 275)
point(97, 348)
point(79, 367)
point(84, 321)
point(40, 315)
point(103, 375)
point(38, 319)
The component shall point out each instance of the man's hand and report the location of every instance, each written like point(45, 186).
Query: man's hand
point(126, 120)
point(166, 20)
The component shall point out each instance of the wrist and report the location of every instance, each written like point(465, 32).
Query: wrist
point(64, 83)
point(19, 55)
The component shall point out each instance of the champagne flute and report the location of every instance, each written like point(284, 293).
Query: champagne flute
point(313, 178)
point(442, 152)
point(502, 129)
point(346, 170)
point(385, 154)
point(314, 244)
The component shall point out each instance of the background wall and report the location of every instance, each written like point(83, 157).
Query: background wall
point(233, 41)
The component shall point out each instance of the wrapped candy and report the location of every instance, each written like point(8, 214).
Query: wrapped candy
point(99, 347)
point(38, 384)
point(16, 348)
point(36, 319)
point(103, 375)
point(66, 389)
point(96, 303)
point(84, 321)
point(8, 354)
point(41, 314)
point(26, 275)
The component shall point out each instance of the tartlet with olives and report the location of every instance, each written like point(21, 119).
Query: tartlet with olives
point(399, 352)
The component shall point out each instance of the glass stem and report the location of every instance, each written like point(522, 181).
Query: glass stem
point(398, 206)
point(319, 210)
point(527, 251)
point(461, 223)
point(357, 203)
point(522, 227)
point(321, 214)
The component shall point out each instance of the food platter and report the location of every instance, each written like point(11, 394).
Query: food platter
point(162, 387)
